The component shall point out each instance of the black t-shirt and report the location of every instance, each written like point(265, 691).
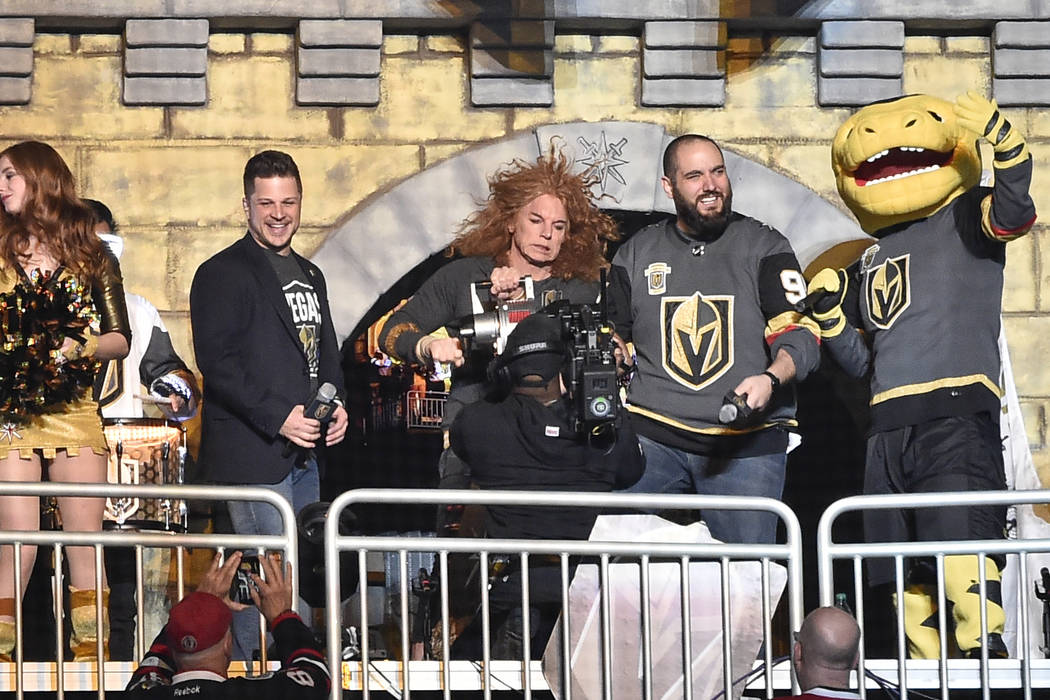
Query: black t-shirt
point(304, 305)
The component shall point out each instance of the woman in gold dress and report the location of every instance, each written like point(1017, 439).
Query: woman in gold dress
point(45, 227)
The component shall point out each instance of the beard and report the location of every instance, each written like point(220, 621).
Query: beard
point(701, 225)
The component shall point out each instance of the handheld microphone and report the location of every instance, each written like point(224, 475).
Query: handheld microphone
point(734, 411)
point(321, 408)
point(322, 405)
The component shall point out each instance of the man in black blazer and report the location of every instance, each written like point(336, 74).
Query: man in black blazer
point(264, 341)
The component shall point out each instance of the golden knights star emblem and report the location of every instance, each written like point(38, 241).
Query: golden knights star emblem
point(9, 432)
point(697, 338)
point(888, 290)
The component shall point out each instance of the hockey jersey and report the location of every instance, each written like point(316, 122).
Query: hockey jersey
point(703, 315)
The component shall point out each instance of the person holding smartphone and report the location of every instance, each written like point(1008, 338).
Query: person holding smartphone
point(191, 655)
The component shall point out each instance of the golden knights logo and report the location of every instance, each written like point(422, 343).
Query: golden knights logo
point(550, 296)
point(656, 277)
point(888, 290)
point(308, 337)
point(697, 338)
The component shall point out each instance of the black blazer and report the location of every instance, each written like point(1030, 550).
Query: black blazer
point(253, 363)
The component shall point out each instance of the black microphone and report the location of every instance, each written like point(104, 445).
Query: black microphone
point(806, 304)
point(321, 408)
point(734, 411)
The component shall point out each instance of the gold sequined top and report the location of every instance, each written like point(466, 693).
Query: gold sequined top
point(79, 425)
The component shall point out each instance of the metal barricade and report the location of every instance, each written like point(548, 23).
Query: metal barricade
point(401, 676)
point(51, 677)
point(945, 673)
point(385, 413)
point(424, 410)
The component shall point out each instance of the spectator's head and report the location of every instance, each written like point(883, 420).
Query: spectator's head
point(826, 648)
point(273, 193)
point(695, 178)
point(535, 353)
point(103, 216)
point(199, 633)
point(106, 227)
point(542, 214)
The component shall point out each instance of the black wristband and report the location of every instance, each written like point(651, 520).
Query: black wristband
point(773, 378)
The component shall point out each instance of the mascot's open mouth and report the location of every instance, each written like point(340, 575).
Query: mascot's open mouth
point(899, 162)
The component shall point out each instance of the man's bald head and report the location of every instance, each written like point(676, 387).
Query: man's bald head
point(827, 648)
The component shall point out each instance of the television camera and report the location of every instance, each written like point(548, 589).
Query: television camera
point(591, 368)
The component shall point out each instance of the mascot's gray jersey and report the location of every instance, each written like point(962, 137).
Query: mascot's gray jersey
point(928, 295)
point(703, 315)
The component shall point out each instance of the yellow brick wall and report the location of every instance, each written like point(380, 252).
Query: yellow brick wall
point(172, 175)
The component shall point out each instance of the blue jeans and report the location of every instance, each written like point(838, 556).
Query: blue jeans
point(301, 487)
point(670, 470)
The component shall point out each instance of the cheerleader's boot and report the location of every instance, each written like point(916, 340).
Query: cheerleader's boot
point(84, 638)
point(7, 629)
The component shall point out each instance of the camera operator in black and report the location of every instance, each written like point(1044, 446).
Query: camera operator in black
point(527, 441)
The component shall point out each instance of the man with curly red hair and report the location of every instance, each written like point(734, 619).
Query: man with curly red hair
point(540, 220)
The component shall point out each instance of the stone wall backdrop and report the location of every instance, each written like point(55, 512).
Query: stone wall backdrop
point(396, 111)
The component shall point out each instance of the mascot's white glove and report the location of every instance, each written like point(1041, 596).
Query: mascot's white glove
point(827, 311)
point(982, 117)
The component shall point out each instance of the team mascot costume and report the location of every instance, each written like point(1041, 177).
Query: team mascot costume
point(919, 315)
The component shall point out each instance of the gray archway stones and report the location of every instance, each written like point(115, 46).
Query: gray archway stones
point(16, 60)
point(338, 62)
point(859, 62)
point(166, 61)
point(683, 49)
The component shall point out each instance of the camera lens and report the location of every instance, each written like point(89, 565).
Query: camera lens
point(600, 406)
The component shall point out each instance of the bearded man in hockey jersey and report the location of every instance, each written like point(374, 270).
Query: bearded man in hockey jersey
point(926, 301)
point(707, 297)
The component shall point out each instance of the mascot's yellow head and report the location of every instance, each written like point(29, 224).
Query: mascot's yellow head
point(903, 160)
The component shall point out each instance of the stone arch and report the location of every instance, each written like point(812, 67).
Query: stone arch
point(388, 236)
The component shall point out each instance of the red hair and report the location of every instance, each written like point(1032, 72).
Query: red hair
point(486, 232)
point(51, 213)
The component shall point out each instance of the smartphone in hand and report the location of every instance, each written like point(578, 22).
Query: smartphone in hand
point(240, 589)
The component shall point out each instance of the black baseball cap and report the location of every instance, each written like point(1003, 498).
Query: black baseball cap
point(534, 349)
